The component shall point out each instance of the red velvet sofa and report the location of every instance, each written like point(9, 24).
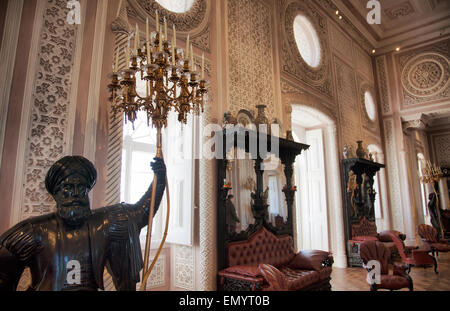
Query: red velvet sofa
point(252, 262)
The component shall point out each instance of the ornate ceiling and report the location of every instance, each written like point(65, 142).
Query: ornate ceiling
point(401, 20)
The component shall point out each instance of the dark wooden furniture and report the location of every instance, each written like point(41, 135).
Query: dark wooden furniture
point(280, 234)
point(268, 262)
point(285, 150)
point(359, 204)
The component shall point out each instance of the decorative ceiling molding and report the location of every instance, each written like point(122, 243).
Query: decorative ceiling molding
point(348, 25)
point(195, 22)
point(425, 74)
point(400, 10)
point(403, 22)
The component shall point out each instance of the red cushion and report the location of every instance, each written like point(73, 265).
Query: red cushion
point(309, 260)
point(252, 271)
point(364, 238)
point(299, 279)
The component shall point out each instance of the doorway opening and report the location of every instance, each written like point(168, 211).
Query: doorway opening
point(311, 127)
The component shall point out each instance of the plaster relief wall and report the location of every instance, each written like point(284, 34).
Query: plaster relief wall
point(424, 75)
point(339, 82)
point(440, 144)
point(250, 73)
point(410, 83)
point(349, 110)
point(48, 124)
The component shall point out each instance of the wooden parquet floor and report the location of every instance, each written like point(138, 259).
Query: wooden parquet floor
point(354, 279)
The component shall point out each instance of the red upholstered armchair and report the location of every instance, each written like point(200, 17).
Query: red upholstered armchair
point(366, 230)
point(429, 235)
point(417, 257)
point(268, 262)
point(375, 250)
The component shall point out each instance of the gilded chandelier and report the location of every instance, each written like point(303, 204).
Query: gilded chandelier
point(171, 82)
point(170, 76)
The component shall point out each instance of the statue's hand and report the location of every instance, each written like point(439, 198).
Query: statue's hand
point(159, 168)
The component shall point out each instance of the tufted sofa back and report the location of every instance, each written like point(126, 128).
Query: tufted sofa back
point(364, 228)
point(263, 247)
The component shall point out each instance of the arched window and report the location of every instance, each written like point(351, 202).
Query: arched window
point(176, 6)
point(369, 105)
point(307, 41)
point(423, 191)
point(139, 149)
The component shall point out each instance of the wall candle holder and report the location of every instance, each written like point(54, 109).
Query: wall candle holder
point(432, 174)
point(171, 83)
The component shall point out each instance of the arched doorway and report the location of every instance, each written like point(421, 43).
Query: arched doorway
point(319, 219)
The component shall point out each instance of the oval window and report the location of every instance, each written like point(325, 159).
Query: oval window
point(176, 6)
point(370, 105)
point(308, 42)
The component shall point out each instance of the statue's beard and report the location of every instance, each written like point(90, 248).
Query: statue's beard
point(74, 216)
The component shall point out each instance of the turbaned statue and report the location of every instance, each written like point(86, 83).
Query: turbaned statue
point(69, 249)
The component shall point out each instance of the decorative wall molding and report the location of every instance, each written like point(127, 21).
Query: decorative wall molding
point(441, 150)
point(292, 62)
point(367, 123)
point(184, 267)
point(195, 21)
point(347, 25)
point(47, 126)
point(425, 74)
point(293, 94)
point(207, 263)
point(383, 84)
point(250, 73)
point(349, 108)
point(342, 44)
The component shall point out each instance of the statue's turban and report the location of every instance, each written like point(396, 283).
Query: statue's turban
point(67, 166)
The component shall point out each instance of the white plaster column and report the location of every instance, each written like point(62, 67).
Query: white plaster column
point(335, 209)
point(8, 56)
point(408, 219)
point(208, 218)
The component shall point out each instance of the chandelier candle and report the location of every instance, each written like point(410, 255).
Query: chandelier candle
point(171, 84)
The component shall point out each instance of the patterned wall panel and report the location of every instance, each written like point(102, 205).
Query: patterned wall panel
point(383, 84)
point(48, 123)
point(349, 108)
point(442, 149)
point(425, 74)
point(250, 72)
point(341, 43)
point(363, 63)
point(363, 87)
point(292, 62)
point(157, 277)
point(184, 267)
